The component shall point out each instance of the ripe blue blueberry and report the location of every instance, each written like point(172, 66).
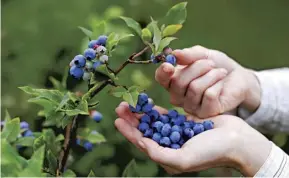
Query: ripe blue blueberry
point(158, 125)
point(154, 114)
point(189, 132)
point(155, 61)
point(79, 61)
point(88, 146)
point(175, 146)
point(24, 125)
point(198, 128)
point(208, 125)
point(76, 72)
point(179, 120)
point(157, 137)
point(86, 76)
point(96, 64)
point(145, 118)
point(143, 127)
point(165, 141)
point(187, 125)
point(166, 130)
point(175, 137)
point(142, 98)
point(78, 141)
point(192, 123)
point(102, 40)
point(103, 58)
point(172, 113)
point(147, 108)
point(92, 44)
point(171, 59)
point(89, 54)
point(148, 133)
point(132, 109)
point(138, 108)
point(181, 142)
point(177, 128)
point(164, 118)
point(28, 133)
point(96, 116)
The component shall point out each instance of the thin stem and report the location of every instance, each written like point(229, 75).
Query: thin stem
point(46, 170)
point(140, 62)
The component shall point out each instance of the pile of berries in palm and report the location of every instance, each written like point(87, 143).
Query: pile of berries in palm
point(169, 130)
point(82, 65)
point(165, 56)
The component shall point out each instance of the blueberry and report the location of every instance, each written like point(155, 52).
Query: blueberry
point(151, 101)
point(96, 116)
point(175, 137)
point(143, 127)
point(78, 141)
point(179, 120)
point(89, 54)
point(198, 128)
point(175, 146)
point(192, 123)
point(28, 133)
point(181, 142)
point(102, 40)
point(172, 113)
point(92, 44)
point(96, 64)
point(164, 118)
point(100, 50)
point(103, 58)
point(171, 59)
point(148, 133)
point(142, 98)
point(189, 132)
point(86, 76)
point(208, 125)
point(147, 108)
point(167, 50)
point(165, 141)
point(177, 128)
point(158, 125)
point(154, 114)
point(186, 125)
point(138, 108)
point(24, 125)
point(166, 130)
point(88, 146)
point(76, 72)
point(145, 118)
point(79, 61)
point(157, 137)
point(132, 109)
point(89, 66)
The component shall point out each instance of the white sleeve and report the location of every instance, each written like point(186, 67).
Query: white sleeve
point(273, 112)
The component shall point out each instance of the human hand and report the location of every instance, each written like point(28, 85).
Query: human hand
point(232, 143)
point(207, 82)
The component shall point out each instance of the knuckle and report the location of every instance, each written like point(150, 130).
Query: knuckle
point(194, 88)
point(210, 95)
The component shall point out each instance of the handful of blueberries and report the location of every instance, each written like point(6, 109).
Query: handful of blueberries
point(169, 130)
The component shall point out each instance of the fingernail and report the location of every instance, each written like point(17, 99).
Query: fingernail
point(224, 71)
point(141, 144)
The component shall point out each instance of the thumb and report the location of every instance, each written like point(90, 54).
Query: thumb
point(188, 56)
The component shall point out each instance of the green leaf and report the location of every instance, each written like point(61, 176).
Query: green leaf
point(176, 15)
point(7, 116)
point(95, 137)
point(157, 36)
point(69, 173)
point(25, 141)
point(64, 101)
point(38, 142)
point(56, 84)
point(82, 108)
point(280, 139)
point(87, 32)
point(165, 42)
point(130, 170)
point(52, 161)
point(132, 24)
point(48, 106)
point(98, 29)
point(65, 121)
point(171, 30)
point(146, 34)
point(11, 130)
point(117, 91)
point(135, 89)
point(124, 36)
point(65, 76)
point(150, 27)
point(34, 166)
point(103, 69)
point(131, 97)
point(152, 47)
point(59, 138)
point(91, 174)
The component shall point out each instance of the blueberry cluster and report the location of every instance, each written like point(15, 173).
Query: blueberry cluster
point(96, 116)
point(169, 130)
point(27, 132)
point(81, 66)
point(86, 144)
point(165, 56)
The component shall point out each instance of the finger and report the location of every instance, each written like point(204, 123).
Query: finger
point(164, 73)
point(124, 112)
point(160, 154)
point(190, 55)
point(211, 105)
point(197, 87)
point(182, 78)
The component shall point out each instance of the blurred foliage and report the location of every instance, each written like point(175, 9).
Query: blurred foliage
point(39, 38)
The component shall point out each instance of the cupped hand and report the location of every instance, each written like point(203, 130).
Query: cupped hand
point(207, 82)
point(231, 143)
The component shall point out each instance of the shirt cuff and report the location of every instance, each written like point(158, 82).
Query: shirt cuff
point(276, 165)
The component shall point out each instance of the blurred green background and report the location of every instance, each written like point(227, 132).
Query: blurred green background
point(40, 37)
